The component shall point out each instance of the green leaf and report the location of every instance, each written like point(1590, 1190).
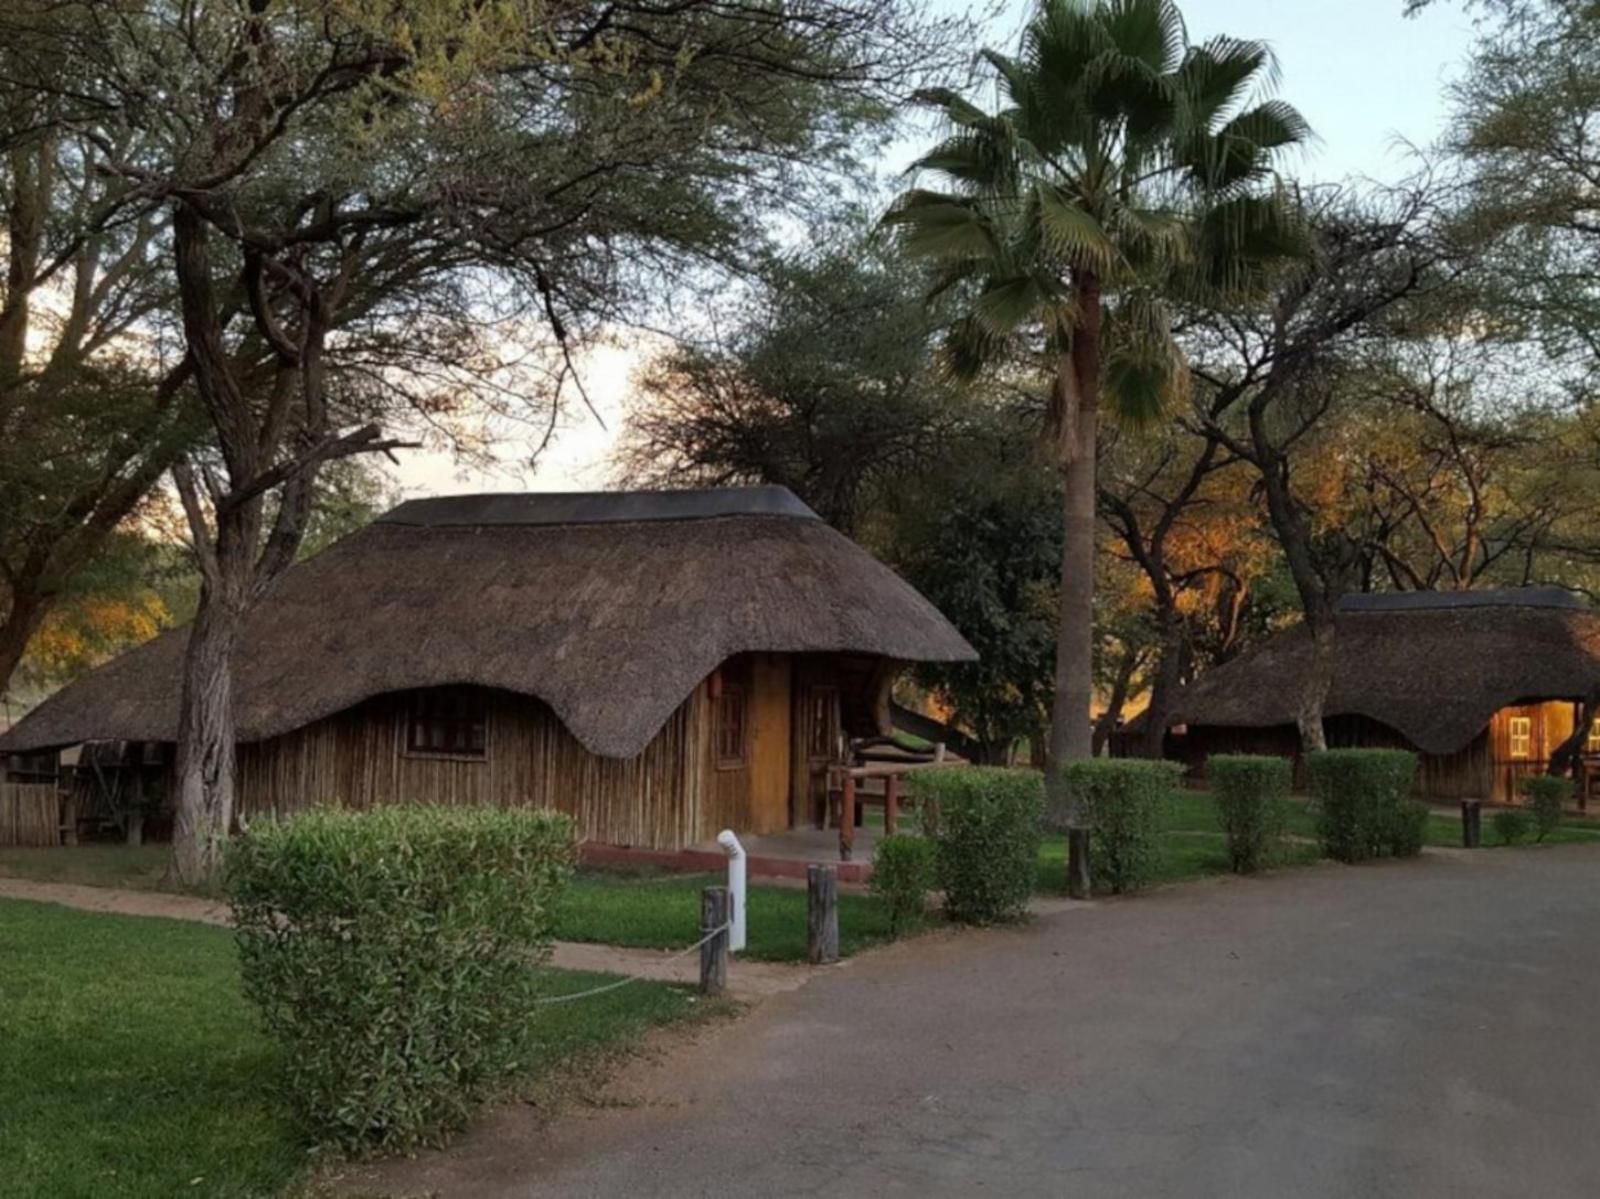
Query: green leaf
point(1008, 303)
point(935, 225)
point(1072, 233)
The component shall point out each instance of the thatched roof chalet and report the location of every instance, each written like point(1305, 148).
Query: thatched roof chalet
point(609, 607)
point(1433, 666)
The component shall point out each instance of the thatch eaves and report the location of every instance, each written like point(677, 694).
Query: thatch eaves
point(609, 607)
point(1433, 666)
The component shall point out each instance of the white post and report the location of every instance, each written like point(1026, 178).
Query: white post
point(735, 851)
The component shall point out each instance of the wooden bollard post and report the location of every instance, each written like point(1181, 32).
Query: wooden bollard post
point(1471, 823)
point(714, 952)
point(822, 913)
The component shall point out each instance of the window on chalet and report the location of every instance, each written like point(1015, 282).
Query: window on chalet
point(732, 726)
point(448, 722)
point(1592, 744)
point(1520, 730)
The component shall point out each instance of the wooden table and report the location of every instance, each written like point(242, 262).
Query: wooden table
point(844, 780)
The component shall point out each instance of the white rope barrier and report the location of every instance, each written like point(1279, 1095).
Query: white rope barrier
point(632, 978)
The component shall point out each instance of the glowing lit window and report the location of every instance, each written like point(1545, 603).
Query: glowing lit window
point(1520, 729)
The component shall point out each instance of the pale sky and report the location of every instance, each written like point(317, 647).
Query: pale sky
point(1369, 80)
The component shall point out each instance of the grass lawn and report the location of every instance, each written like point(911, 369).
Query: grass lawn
point(133, 1068)
point(136, 867)
point(662, 911)
point(1192, 844)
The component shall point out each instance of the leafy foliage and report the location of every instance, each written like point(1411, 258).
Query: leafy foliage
point(1363, 803)
point(1252, 797)
point(904, 870)
point(1512, 825)
point(1124, 802)
point(391, 954)
point(1548, 796)
point(988, 826)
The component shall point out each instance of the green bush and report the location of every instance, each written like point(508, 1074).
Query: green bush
point(1361, 797)
point(391, 952)
point(1251, 794)
point(1410, 829)
point(903, 872)
point(1124, 802)
point(988, 825)
point(1547, 796)
point(1512, 825)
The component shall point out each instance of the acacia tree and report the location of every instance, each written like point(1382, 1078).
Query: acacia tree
point(94, 402)
point(1272, 371)
point(401, 174)
point(1123, 157)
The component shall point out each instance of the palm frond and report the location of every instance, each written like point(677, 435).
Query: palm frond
point(1145, 375)
point(1151, 31)
point(1271, 125)
point(937, 225)
point(1006, 304)
point(1069, 231)
point(969, 347)
point(1217, 75)
point(978, 159)
point(1236, 238)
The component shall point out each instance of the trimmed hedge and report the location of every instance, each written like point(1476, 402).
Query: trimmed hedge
point(1512, 825)
point(904, 870)
point(390, 954)
point(1363, 803)
point(1124, 802)
point(987, 826)
point(1251, 794)
point(1547, 796)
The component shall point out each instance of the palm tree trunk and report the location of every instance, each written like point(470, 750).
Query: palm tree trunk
point(1078, 394)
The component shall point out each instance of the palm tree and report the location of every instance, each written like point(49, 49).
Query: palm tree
point(1126, 164)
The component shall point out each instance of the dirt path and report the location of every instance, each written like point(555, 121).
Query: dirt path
point(746, 980)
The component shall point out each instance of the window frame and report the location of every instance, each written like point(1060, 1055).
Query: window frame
point(1522, 736)
point(416, 718)
point(737, 694)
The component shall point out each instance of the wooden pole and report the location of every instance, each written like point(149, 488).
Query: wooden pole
point(1471, 823)
point(714, 952)
point(847, 818)
point(822, 913)
point(891, 804)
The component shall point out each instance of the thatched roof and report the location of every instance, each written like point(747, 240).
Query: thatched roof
point(1434, 666)
point(610, 607)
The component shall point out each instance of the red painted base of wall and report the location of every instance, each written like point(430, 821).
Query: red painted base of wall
point(700, 861)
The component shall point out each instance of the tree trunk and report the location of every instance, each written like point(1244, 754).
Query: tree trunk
point(22, 619)
point(1118, 699)
point(206, 743)
point(1566, 754)
point(1169, 676)
point(1313, 696)
point(1078, 382)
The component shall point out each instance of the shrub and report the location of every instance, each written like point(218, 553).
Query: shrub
point(1511, 825)
point(1251, 794)
point(1124, 802)
point(1410, 829)
point(988, 822)
point(1361, 797)
point(391, 953)
point(903, 872)
point(1547, 796)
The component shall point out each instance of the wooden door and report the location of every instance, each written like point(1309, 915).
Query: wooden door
point(816, 747)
